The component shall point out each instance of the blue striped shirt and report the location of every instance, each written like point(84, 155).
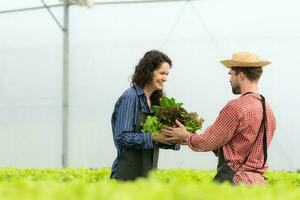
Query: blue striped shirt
point(123, 123)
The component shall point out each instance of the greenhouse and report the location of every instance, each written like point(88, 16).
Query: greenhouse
point(64, 64)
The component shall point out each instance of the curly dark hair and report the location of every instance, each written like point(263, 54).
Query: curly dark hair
point(143, 73)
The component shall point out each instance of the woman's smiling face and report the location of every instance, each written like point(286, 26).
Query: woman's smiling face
point(159, 76)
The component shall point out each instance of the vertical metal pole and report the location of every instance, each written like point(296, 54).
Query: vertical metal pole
point(65, 122)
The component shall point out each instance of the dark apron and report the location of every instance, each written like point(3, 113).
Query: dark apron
point(137, 162)
point(224, 172)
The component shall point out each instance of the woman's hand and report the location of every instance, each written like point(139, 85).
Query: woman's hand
point(161, 138)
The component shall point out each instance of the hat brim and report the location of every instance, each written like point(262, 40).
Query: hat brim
point(234, 63)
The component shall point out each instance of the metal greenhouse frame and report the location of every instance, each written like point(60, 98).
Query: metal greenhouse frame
point(65, 29)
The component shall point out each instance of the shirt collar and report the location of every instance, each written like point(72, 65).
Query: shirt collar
point(138, 89)
point(142, 99)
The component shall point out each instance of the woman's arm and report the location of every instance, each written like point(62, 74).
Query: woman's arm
point(125, 134)
point(175, 147)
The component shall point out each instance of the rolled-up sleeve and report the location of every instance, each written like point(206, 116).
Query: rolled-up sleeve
point(175, 147)
point(125, 134)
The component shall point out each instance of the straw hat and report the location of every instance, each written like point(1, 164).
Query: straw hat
point(245, 59)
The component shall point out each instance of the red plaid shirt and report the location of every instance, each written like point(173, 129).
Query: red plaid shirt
point(235, 130)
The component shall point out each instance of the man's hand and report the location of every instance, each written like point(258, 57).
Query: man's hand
point(177, 135)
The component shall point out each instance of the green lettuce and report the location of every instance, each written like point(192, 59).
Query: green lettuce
point(167, 112)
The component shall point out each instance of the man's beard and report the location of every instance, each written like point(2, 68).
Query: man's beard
point(236, 89)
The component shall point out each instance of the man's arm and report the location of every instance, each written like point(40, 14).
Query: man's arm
point(214, 137)
point(218, 134)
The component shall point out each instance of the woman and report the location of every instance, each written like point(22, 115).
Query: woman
point(137, 151)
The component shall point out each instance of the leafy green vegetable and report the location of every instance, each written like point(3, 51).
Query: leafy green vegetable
point(167, 184)
point(152, 125)
point(167, 112)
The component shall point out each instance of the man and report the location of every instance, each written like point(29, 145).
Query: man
point(243, 130)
